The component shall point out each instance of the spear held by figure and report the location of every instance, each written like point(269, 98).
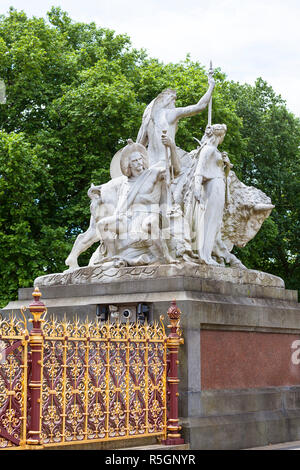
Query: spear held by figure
point(227, 164)
point(173, 165)
point(168, 176)
point(209, 121)
point(210, 75)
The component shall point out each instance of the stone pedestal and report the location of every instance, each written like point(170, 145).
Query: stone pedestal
point(239, 365)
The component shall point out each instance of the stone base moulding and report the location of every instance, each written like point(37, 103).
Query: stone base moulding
point(92, 274)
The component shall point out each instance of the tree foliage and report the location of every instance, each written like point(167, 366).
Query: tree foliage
point(75, 94)
point(271, 162)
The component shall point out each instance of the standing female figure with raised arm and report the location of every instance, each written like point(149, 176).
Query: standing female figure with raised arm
point(209, 192)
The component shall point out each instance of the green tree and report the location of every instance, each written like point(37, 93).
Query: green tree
point(23, 239)
point(44, 65)
point(271, 162)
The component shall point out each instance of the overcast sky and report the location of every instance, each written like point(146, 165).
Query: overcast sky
point(246, 38)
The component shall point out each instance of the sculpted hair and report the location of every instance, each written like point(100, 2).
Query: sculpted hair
point(159, 98)
point(127, 152)
point(149, 114)
point(210, 131)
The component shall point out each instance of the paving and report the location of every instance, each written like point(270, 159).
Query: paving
point(159, 447)
point(294, 445)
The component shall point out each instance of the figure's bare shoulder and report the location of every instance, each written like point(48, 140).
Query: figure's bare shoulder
point(173, 115)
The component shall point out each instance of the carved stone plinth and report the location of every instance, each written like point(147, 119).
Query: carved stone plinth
point(95, 275)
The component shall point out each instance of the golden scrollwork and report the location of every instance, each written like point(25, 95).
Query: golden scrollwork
point(99, 381)
point(106, 390)
point(13, 379)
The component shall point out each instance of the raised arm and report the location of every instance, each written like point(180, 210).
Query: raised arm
point(177, 113)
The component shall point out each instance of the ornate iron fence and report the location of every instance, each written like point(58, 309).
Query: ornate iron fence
point(82, 382)
point(102, 382)
point(13, 382)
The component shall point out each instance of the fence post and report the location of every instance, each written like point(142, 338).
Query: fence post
point(173, 342)
point(37, 308)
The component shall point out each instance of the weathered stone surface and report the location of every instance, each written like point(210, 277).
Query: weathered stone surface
point(241, 419)
point(90, 275)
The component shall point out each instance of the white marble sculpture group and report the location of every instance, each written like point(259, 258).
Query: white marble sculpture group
point(167, 206)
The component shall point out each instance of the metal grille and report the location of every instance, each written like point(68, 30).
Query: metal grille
point(13, 382)
point(82, 382)
point(103, 382)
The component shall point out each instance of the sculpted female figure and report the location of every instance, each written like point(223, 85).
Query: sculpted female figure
point(209, 192)
point(162, 115)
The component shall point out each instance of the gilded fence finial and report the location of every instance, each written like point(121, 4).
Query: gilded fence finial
point(174, 313)
point(37, 308)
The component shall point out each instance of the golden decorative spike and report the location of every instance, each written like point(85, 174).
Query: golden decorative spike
point(44, 316)
point(22, 310)
point(161, 318)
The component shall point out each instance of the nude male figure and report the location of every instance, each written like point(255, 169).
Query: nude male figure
point(162, 115)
